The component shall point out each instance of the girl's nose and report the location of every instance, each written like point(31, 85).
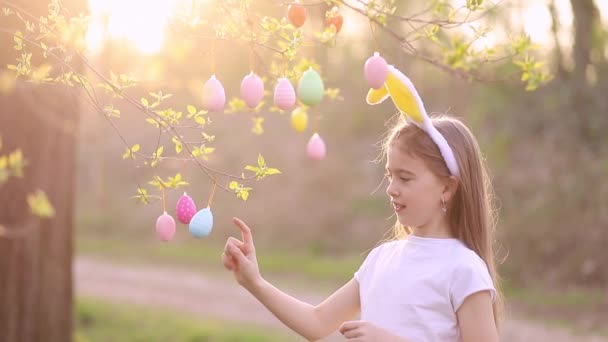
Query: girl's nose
point(391, 191)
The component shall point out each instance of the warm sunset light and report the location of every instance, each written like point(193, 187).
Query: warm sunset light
point(141, 22)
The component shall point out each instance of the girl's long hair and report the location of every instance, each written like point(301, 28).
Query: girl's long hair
point(471, 212)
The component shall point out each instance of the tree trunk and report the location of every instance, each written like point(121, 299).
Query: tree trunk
point(36, 254)
point(586, 18)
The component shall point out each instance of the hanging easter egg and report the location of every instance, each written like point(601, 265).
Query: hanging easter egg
point(284, 94)
point(252, 90)
point(334, 18)
point(214, 96)
point(202, 223)
point(299, 119)
point(310, 88)
point(185, 209)
point(316, 148)
point(376, 71)
point(296, 13)
point(165, 227)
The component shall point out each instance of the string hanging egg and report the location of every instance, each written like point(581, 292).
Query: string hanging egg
point(185, 209)
point(165, 227)
point(375, 71)
point(202, 223)
point(214, 96)
point(316, 147)
point(252, 90)
point(310, 87)
point(284, 94)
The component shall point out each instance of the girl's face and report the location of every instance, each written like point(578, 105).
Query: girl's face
point(414, 190)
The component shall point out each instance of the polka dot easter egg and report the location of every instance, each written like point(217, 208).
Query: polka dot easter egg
point(202, 223)
point(185, 209)
point(165, 227)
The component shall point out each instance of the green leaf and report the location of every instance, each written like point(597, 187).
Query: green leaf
point(233, 185)
point(261, 161)
point(144, 102)
point(153, 122)
point(16, 162)
point(40, 205)
point(332, 93)
point(252, 168)
point(157, 156)
point(272, 171)
point(176, 181)
point(200, 120)
point(208, 137)
point(130, 152)
point(178, 145)
point(195, 151)
point(142, 196)
point(257, 126)
point(191, 110)
point(244, 194)
point(236, 105)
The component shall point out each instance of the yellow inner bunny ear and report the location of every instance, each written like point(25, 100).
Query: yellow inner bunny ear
point(375, 96)
point(404, 98)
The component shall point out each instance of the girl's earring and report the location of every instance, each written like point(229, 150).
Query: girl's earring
point(444, 207)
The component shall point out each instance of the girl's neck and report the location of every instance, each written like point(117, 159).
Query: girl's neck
point(438, 228)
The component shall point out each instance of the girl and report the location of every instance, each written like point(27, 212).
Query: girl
point(436, 280)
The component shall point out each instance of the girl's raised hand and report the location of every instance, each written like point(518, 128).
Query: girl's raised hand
point(239, 256)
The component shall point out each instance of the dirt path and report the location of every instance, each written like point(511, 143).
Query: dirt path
point(217, 296)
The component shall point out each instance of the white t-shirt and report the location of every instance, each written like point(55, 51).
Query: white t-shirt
point(413, 287)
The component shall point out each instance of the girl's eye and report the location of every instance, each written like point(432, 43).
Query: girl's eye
point(405, 179)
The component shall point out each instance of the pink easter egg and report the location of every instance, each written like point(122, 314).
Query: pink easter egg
point(284, 94)
point(185, 209)
point(316, 148)
point(376, 71)
point(214, 96)
point(252, 90)
point(165, 227)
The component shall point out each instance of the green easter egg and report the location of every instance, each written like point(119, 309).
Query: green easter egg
point(310, 88)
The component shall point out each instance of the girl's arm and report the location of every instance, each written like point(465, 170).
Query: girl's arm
point(476, 318)
point(311, 322)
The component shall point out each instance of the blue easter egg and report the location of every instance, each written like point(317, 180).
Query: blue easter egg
point(201, 223)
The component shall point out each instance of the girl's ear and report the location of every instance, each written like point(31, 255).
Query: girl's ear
point(450, 187)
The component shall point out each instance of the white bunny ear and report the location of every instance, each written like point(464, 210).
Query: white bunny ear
point(404, 96)
point(375, 96)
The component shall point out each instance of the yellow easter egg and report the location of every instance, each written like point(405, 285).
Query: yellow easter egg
point(299, 119)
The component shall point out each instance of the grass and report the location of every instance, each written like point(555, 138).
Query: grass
point(100, 321)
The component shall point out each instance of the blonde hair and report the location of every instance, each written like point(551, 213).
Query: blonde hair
point(471, 212)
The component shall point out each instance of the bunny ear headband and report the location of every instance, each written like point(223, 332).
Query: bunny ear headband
point(405, 97)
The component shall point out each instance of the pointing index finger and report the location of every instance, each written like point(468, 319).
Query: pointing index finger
point(245, 231)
